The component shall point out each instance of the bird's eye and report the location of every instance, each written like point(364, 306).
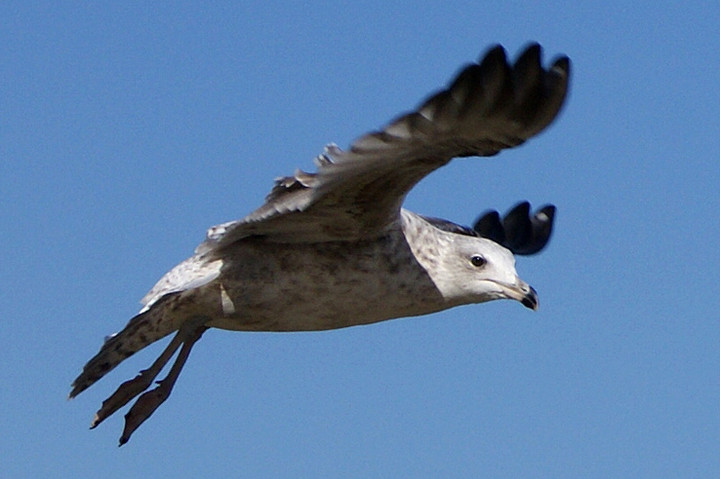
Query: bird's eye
point(478, 261)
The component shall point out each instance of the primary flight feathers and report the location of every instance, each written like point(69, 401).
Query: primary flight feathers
point(356, 194)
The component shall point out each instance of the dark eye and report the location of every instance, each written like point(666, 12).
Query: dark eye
point(478, 261)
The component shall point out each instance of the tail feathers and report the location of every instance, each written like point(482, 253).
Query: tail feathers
point(142, 330)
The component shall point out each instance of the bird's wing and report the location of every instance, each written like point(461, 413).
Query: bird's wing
point(358, 193)
point(518, 231)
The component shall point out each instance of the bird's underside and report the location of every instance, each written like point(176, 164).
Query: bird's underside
point(334, 248)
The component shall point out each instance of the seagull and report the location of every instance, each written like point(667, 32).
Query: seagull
point(335, 248)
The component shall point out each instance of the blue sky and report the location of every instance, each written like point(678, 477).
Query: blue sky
point(127, 129)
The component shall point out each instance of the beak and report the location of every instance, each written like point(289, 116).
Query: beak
point(523, 292)
point(530, 300)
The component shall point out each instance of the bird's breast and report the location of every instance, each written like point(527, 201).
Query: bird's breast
point(267, 286)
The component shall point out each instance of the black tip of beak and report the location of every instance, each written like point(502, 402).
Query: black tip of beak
point(530, 300)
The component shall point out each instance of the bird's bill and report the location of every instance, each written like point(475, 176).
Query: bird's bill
point(522, 292)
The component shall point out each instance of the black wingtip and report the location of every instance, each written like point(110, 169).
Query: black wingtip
point(490, 226)
point(518, 231)
point(561, 64)
point(542, 226)
point(518, 228)
point(494, 53)
point(494, 60)
point(530, 56)
point(532, 49)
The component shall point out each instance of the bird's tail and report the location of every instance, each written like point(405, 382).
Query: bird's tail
point(142, 330)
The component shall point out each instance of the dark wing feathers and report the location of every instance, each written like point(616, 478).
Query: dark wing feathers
point(490, 226)
point(449, 226)
point(518, 231)
point(358, 193)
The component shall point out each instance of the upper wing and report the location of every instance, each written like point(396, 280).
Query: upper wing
point(358, 193)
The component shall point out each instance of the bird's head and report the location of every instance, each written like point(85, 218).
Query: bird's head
point(476, 270)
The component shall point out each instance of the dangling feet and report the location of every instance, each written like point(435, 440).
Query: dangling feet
point(151, 400)
point(148, 402)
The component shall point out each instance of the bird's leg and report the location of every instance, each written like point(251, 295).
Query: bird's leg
point(130, 389)
point(151, 400)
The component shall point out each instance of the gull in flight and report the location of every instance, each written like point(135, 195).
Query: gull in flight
point(335, 248)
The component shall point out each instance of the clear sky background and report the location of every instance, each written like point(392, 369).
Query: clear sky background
point(127, 129)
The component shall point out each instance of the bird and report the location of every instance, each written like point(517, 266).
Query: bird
point(335, 248)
